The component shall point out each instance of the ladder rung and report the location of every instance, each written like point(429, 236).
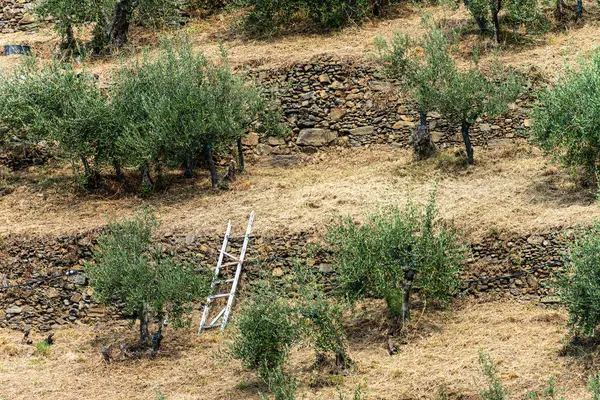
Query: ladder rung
point(216, 296)
point(224, 281)
point(230, 255)
point(230, 264)
point(211, 326)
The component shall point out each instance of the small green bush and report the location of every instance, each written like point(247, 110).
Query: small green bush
point(266, 328)
point(495, 390)
point(42, 348)
point(128, 267)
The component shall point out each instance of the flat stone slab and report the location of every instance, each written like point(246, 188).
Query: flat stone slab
point(315, 137)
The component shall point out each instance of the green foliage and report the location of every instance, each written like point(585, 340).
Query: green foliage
point(171, 108)
point(566, 118)
point(549, 393)
point(322, 314)
point(128, 267)
point(594, 386)
point(266, 329)
point(373, 258)
point(432, 79)
point(282, 385)
point(579, 287)
point(42, 349)
point(69, 14)
point(268, 16)
point(55, 102)
point(495, 390)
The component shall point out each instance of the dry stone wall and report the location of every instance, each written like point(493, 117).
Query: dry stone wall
point(54, 303)
point(15, 15)
point(331, 101)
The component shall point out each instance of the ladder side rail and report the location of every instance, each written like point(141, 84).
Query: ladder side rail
point(215, 277)
point(238, 271)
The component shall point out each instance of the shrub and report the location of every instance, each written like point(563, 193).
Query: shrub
point(42, 348)
point(393, 252)
point(268, 16)
point(323, 315)
point(128, 268)
point(566, 118)
point(579, 287)
point(495, 390)
point(266, 328)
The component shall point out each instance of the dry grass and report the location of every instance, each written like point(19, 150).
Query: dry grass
point(546, 53)
point(510, 189)
point(522, 339)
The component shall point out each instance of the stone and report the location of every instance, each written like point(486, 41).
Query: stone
point(315, 137)
point(27, 19)
point(402, 124)
point(527, 123)
point(326, 268)
point(362, 131)
point(275, 141)
point(380, 86)
point(550, 299)
point(535, 240)
point(485, 128)
point(324, 78)
point(13, 310)
point(336, 85)
point(78, 279)
point(263, 149)
point(250, 139)
point(436, 136)
point(277, 272)
point(336, 114)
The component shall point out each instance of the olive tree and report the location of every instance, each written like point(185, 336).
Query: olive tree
point(393, 253)
point(127, 267)
point(517, 12)
point(266, 328)
point(179, 108)
point(436, 83)
point(55, 102)
point(419, 76)
point(566, 118)
point(579, 285)
point(111, 18)
point(69, 14)
point(468, 95)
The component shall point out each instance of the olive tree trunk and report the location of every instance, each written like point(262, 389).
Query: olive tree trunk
point(118, 170)
point(398, 323)
point(240, 150)
point(214, 179)
point(118, 27)
point(145, 175)
point(464, 129)
point(496, 5)
point(143, 317)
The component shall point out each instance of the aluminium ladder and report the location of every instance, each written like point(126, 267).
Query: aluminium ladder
point(223, 315)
